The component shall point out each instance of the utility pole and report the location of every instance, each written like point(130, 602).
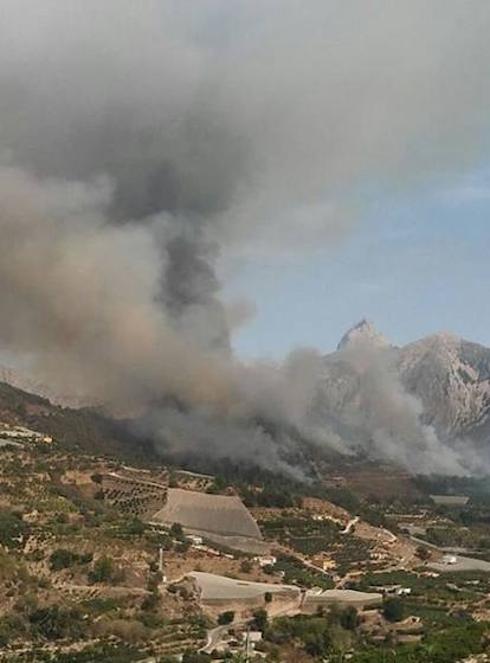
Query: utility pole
point(247, 638)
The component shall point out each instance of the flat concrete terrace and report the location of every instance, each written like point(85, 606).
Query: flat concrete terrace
point(219, 514)
point(220, 588)
point(313, 598)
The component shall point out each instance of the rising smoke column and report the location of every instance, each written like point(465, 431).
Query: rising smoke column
point(141, 141)
point(388, 419)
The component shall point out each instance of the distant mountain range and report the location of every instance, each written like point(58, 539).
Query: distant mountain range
point(442, 381)
point(424, 406)
point(450, 376)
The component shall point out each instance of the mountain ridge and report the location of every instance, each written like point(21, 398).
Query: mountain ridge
point(448, 375)
point(424, 406)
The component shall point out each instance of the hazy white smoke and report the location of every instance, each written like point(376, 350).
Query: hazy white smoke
point(386, 419)
point(139, 141)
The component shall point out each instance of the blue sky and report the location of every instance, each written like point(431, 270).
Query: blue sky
point(413, 264)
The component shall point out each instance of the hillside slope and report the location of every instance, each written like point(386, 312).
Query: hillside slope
point(84, 429)
point(424, 406)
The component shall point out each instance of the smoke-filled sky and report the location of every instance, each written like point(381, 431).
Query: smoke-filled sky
point(427, 239)
point(432, 246)
point(156, 155)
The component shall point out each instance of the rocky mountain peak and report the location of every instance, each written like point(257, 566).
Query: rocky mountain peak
point(443, 339)
point(363, 332)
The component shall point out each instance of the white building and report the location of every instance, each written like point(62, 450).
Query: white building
point(269, 560)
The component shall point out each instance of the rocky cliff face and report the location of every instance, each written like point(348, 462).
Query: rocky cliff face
point(425, 405)
point(451, 377)
point(365, 333)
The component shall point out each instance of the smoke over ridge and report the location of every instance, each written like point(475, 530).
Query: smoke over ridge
point(140, 142)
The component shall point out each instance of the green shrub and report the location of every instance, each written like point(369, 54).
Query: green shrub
point(176, 531)
point(245, 566)
point(62, 559)
point(349, 619)
point(315, 633)
point(54, 623)
point(151, 601)
point(260, 619)
point(12, 528)
point(11, 626)
point(226, 617)
point(393, 609)
point(103, 571)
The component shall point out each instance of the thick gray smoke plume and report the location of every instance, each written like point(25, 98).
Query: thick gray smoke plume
point(139, 141)
point(380, 416)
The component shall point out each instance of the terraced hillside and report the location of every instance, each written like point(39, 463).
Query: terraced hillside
point(80, 579)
